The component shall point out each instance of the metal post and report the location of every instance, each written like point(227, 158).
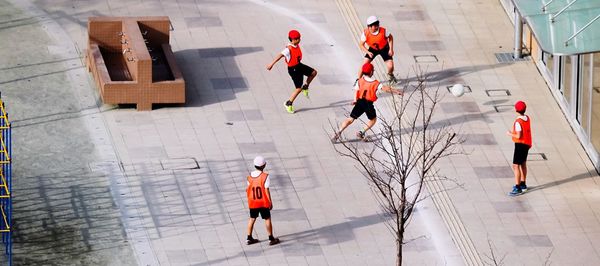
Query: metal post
point(518, 35)
point(546, 5)
point(579, 31)
point(561, 11)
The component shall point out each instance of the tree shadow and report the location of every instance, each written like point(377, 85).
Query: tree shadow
point(212, 75)
point(452, 76)
point(335, 233)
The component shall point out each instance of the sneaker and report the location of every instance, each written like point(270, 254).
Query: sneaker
point(360, 135)
point(516, 191)
point(289, 107)
point(305, 90)
point(274, 241)
point(392, 78)
point(523, 187)
point(251, 241)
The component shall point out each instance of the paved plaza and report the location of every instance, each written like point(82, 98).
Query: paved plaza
point(99, 184)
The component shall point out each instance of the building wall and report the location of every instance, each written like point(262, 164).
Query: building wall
point(575, 84)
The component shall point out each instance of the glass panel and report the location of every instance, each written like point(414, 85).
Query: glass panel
point(549, 62)
point(586, 90)
point(595, 134)
point(553, 35)
point(567, 80)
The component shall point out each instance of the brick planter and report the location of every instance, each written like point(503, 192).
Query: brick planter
point(132, 61)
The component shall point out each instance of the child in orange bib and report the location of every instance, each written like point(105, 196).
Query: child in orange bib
point(259, 200)
point(521, 136)
point(293, 55)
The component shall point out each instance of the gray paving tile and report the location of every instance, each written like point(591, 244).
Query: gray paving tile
point(257, 148)
point(244, 115)
point(511, 206)
point(317, 48)
point(179, 164)
point(327, 79)
point(301, 249)
point(315, 17)
point(479, 139)
point(411, 15)
point(229, 83)
point(532, 241)
point(228, 51)
point(460, 107)
point(493, 172)
point(204, 21)
point(426, 45)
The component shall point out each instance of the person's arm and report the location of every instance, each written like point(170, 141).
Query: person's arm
point(517, 133)
point(270, 66)
point(362, 46)
point(270, 199)
point(391, 44)
point(355, 94)
point(392, 90)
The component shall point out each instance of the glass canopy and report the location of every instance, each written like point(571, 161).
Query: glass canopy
point(570, 16)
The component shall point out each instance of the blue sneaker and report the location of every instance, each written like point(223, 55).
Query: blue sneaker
point(515, 191)
point(523, 187)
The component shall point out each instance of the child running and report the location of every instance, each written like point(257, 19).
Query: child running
point(366, 94)
point(297, 70)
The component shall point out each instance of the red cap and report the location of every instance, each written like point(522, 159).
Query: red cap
point(520, 106)
point(367, 68)
point(294, 34)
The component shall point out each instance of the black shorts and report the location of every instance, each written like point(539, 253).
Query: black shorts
point(298, 72)
point(265, 213)
point(520, 155)
point(363, 106)
point(384, 53)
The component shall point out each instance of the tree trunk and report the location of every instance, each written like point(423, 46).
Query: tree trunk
point(399, 250)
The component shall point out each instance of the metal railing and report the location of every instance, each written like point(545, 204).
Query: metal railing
point(5, 182)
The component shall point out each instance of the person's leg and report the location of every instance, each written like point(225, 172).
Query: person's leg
point(251, 240)
point(294, 95)
point(390, 67)
point(517, 173)
point(251, 225)
point(523, 170)
point(269, 226)
point(345, 124)
point(311, 77)
point(370, 124)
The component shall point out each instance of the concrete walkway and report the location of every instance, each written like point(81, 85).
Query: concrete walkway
point(170, 183)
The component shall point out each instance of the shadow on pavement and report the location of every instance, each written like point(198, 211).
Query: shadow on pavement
point(212, 75)
point(559, 182)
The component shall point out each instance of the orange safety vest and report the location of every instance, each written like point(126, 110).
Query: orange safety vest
point(295, 55)
point(257, 193)
point(525, 131)
point(367, 90)
point(377, 42)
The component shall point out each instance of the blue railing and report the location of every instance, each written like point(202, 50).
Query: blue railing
point(5, 183)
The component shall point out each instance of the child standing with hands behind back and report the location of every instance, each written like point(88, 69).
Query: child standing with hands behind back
point(293, 54)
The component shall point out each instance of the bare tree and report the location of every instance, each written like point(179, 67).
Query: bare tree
point(493, 258)
point(403, 154)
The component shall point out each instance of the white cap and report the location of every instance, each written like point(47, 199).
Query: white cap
point(371, 20)
point(259, 161)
